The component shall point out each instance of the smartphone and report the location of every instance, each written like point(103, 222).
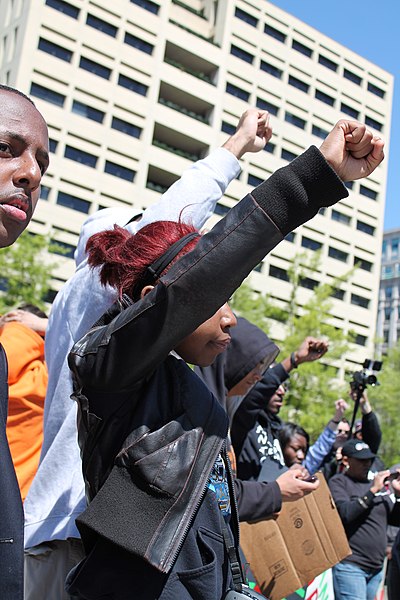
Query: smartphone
point(392, 476)
point(310, 479)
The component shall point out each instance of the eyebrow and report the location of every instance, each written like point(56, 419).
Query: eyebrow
point(19, 138)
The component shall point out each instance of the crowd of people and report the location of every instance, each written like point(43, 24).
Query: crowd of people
point(156, 415)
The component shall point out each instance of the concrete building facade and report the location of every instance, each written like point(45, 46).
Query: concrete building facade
point(388, 325)
point(133, 91)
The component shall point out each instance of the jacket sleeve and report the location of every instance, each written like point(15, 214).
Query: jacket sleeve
point(194, 195)
point(246, 415)
point(257, 499)
point(318, 451)
point(199, 283)
point(349, 508)
point(371, 431)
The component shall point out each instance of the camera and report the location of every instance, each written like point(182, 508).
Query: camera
point(367, 376)
point(245, 594)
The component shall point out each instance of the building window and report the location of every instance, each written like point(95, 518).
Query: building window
point(238, 92)
point(363, 264)
point(302, 48)
point(62, 248)
point(290, 236)
point(55, 50)
point(287, 155)
point(44, 93)
point(270, 148)
point(294, 120)
point(119, 171)
point(310, 244)
point(388, 310)
point(395, 248)
point(340, 217)
point(228, 128)
point(324, 98)
point(348, 110)
point(253, 180)
point(133, 85)
point(87, 111)
point(221, 209)
point(360, 340)
point(308, 283)
point(319, 132)
point(271, 70)
point(44, 192)
point(349, 184)
point(64, 7)
point(297, 83)
point(338, 254)
point(85, 158)
point(242, 54)
point(365, 228)
point(265, 105)
point(327, 62)
point(275, 33)
point(370, 122)
point(244, 16)
point(53, 145)
point(388, 292)
point(125, 127)
point(375, 90)
point(101, 25)
point(95, 68)
point(352, 77)
point(138, 43)
point(337, 293)
point(73, 202)
point(365, 191)
point(147, 5)
point(359, 301)
point(278, 273)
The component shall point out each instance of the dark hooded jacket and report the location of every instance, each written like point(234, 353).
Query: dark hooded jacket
point(255, 431)
point(249, 346)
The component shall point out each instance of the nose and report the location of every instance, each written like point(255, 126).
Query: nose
point(28, 174)
point(228, 319)
point(300, 454)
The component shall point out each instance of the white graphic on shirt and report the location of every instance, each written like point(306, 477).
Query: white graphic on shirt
point(268, 448)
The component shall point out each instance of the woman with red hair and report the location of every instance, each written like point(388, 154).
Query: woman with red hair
point(162, 519)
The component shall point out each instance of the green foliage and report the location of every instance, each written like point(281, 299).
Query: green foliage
point(385, 400)
point(313, 388)
point(25, 272)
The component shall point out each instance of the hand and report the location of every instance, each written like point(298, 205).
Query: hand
point(365, 406)
point(340, 407)
point(310, 349)
point(379, 480)
point(26, 318)
point(396, 484)
point(252, 133)
point(293, 487)
point(352, 151)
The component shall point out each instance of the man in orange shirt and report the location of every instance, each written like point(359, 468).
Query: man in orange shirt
point(22, 336)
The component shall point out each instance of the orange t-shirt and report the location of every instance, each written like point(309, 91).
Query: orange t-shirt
point(27, 380)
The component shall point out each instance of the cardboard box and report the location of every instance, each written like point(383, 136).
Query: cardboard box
point(306, 538)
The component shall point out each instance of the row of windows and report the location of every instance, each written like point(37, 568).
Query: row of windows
point(300, 85)
point(309, 52)
point(72, 11)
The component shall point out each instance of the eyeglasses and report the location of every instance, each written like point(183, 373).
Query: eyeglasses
point(339, 430)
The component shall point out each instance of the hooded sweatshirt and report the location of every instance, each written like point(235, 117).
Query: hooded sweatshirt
point(57, 494)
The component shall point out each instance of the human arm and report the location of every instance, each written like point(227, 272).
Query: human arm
point(187, 295)
point(309, 350)
point(193, 197)
point(38, 324)
point(371, 431)
point(257, 499)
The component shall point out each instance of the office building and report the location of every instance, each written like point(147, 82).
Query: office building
point(388, 326)
point(133, 91)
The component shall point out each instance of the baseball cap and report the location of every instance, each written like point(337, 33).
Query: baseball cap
point(357, 449)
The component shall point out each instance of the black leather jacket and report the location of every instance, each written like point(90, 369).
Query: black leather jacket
point(149, 429)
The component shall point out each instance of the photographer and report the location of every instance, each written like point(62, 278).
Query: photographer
point(365, 509)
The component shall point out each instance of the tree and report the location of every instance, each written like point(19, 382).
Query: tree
point(26, 271)
point(314, 387)
point(385, 400)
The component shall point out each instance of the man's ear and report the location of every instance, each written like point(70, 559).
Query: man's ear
point(145, 291)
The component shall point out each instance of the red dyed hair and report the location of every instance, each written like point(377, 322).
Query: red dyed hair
point(123, 258)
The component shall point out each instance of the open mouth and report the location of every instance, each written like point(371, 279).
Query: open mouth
point(16, 207)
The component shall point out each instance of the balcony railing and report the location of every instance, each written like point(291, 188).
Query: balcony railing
point(182, 67)
point(183, 110)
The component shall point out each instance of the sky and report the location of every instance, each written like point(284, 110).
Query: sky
point(371, 29)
